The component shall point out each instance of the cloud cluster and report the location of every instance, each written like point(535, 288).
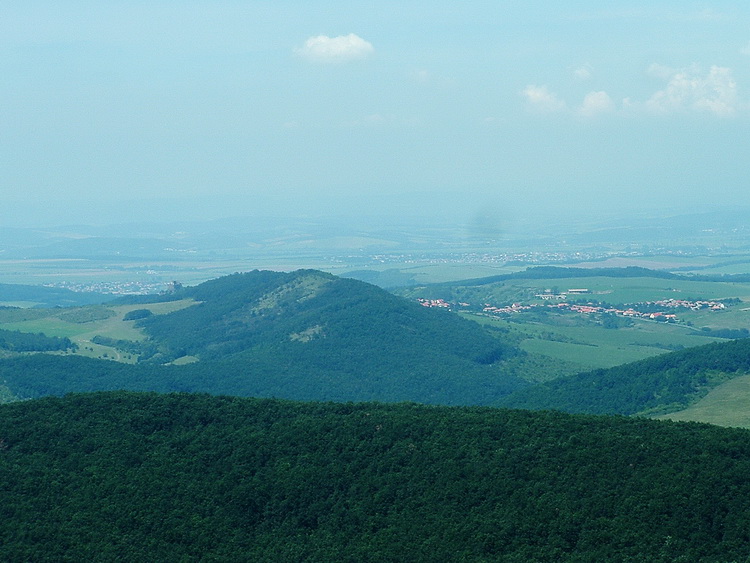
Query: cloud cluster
point(340, 49)
point(686, 90)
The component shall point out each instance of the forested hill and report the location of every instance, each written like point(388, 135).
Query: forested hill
point(317, 311)
point(146, 477)
point(660, 384)
point(300, 335)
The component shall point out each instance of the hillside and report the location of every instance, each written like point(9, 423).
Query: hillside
point(144, 477)
point(299, 335)
point(657, 385)
point(313, 310)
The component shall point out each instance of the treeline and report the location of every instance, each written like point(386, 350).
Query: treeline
point(730, 333)
point(16, 341)
point(663, 383)
point(143, 477)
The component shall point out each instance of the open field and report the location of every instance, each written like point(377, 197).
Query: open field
point(634, 290)
point(82, 324)
point(592, 347)
point(726, 405)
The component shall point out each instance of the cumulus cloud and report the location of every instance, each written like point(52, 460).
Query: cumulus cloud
point(583, 72)
point(690, 89)
point(541, 99)
point(595, 103)
point(340, 49)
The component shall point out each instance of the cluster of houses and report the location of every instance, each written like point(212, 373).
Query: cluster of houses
point(434, 303)
point(590, 308)
point(694, 305)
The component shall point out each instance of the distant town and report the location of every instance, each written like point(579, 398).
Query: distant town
point(662, 310)
point(114, 287)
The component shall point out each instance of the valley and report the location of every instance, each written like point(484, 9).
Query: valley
point(372, 402)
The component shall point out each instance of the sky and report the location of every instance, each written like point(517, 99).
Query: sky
point(126, 111)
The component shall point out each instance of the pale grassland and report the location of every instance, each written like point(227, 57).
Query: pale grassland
point(726, 405)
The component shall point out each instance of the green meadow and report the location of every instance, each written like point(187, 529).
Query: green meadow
point(82, 324)
point(592, 346)
point(726, 405)
point(634, 290)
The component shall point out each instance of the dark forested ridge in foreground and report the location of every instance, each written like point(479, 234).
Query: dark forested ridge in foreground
point(653, 386)
point(300, 335)
point(147, 477)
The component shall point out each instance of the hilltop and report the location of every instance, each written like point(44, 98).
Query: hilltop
point(302, 335)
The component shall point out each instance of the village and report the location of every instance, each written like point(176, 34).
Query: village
point(662, 310)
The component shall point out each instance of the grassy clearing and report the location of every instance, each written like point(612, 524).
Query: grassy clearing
point(735, 316)
point(726, 405)
point(591, 356)
point(82, 324)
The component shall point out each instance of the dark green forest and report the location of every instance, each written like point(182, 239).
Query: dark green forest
point(149, 477)
point(264, 374)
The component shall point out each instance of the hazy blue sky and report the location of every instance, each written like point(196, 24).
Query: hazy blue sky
point(116, 111)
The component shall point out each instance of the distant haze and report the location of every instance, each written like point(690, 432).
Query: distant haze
point(485, 113)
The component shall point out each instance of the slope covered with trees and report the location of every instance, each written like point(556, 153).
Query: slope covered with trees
point(145, 477)
point(657, 385)
point(239, 312)
point(299, 335)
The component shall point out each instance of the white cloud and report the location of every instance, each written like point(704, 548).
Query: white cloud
point(340, 49)
point(542, 99)
point(583, 72)
point(689, 89)
point(422, 76)
point(595, 103)
point(746, 49)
